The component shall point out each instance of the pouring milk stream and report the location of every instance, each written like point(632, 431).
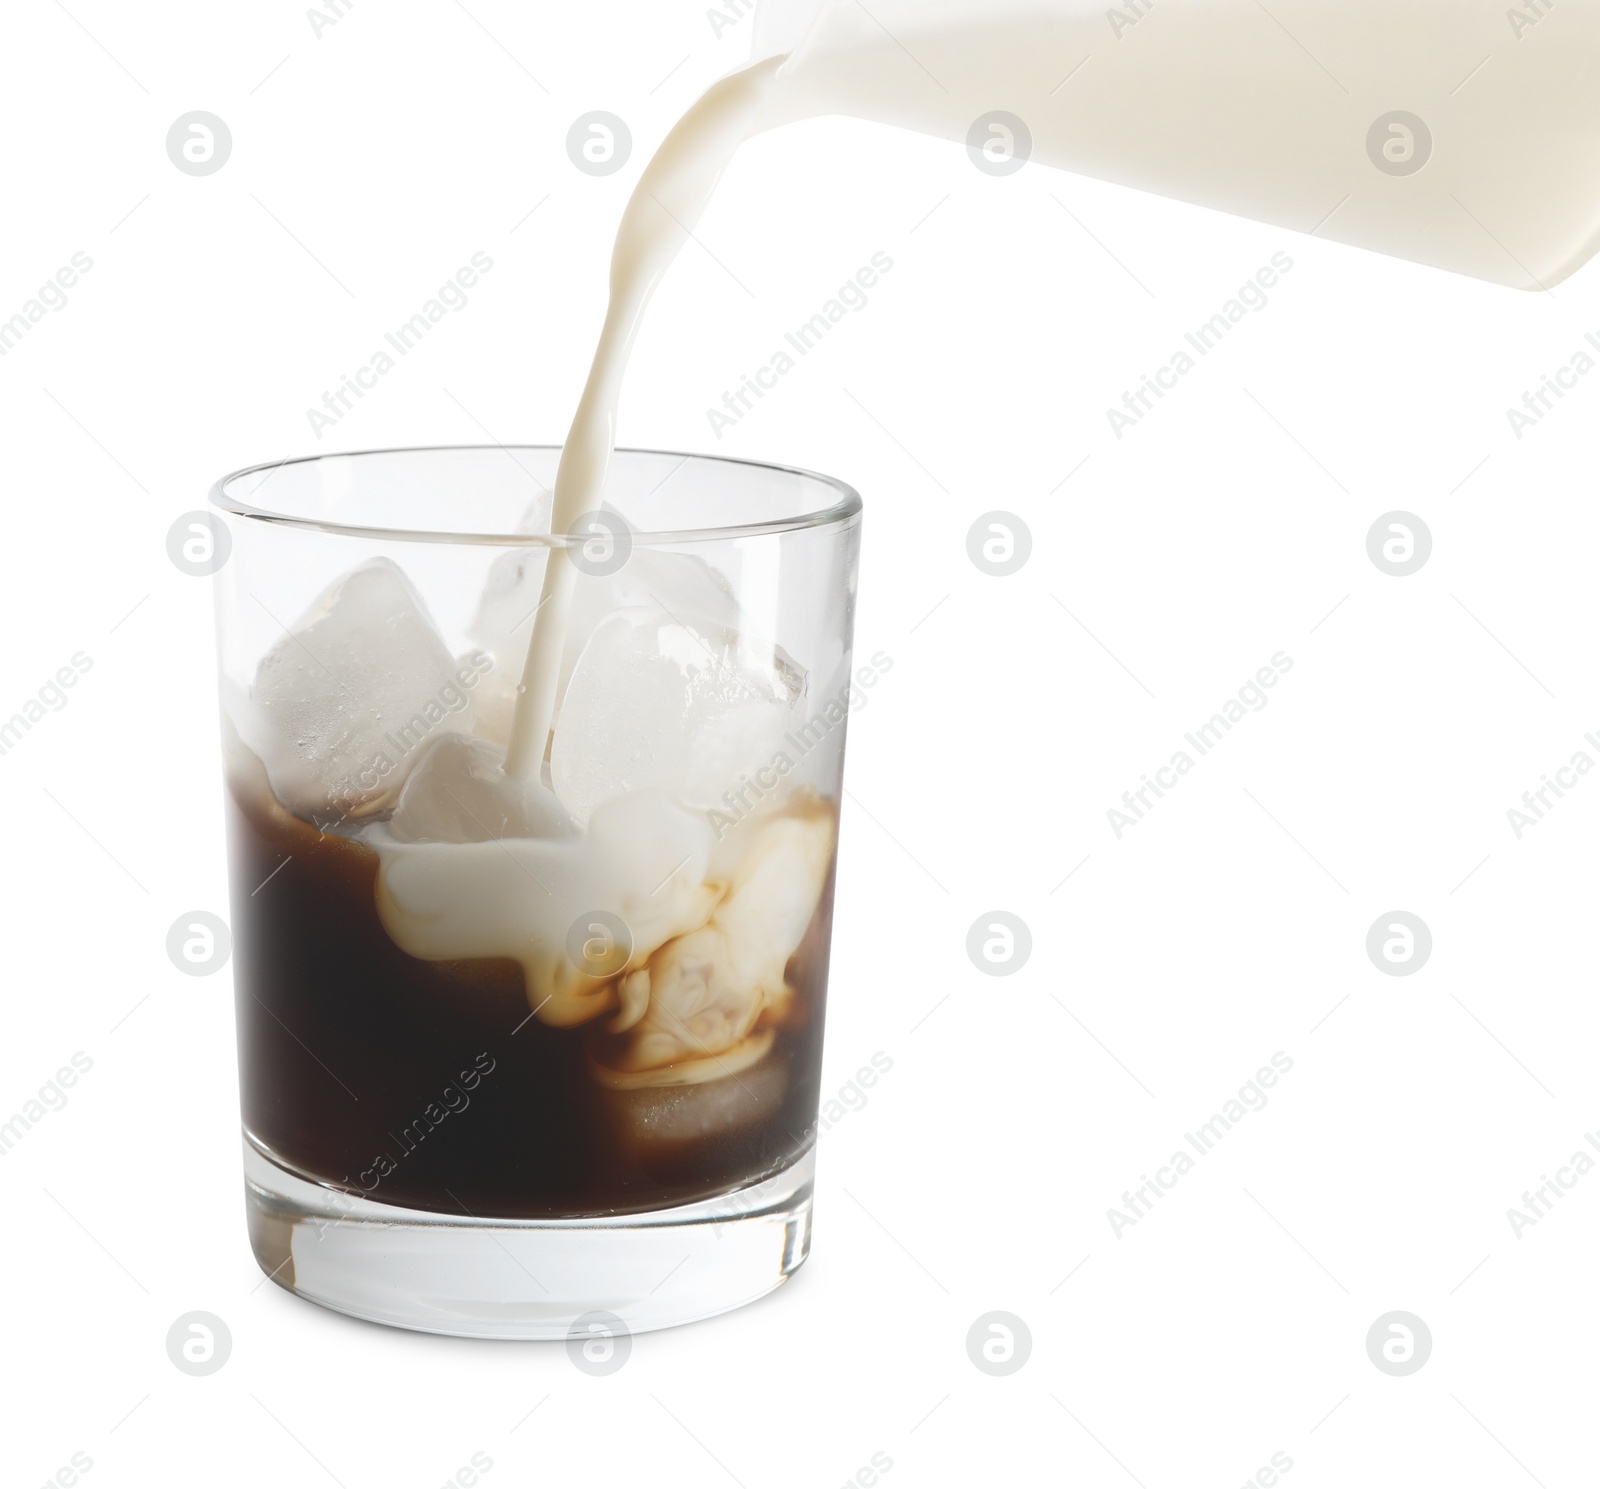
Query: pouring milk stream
point(1435, 130)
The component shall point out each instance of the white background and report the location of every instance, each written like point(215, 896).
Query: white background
point(368, 165)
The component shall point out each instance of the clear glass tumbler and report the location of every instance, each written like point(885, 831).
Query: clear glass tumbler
point(532, 1053)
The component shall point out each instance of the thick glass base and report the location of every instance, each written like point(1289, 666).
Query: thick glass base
point(485, 1278)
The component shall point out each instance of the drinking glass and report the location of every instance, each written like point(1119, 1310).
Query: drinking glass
point(455, 1118)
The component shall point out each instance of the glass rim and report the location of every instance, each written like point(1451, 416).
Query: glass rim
point(841, 513)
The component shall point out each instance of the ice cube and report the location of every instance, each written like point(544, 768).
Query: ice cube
point(502, 628)
point(459, 793)
point(674, 582)
point(677, 702)
point(664, 1121)
point(536, 515)
point(504, 622)
point(342, 706)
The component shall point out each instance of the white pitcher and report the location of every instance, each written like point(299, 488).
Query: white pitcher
point(1456, 133)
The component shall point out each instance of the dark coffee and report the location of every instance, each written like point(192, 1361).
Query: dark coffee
point(430, 1085)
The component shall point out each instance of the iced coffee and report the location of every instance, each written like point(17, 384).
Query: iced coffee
point(594, 989)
